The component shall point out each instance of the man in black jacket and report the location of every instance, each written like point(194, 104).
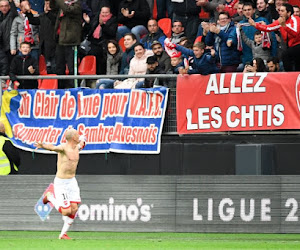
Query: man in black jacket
point(67, 30)
point(154, 34)
point(163, 59)
point(24, 64)
point(46, 20)
point(187, 12)
point(154, 68)
point(9, 155)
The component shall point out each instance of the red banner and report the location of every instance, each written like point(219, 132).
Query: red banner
point(238, 102)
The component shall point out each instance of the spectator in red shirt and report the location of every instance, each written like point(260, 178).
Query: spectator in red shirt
point(289, 26)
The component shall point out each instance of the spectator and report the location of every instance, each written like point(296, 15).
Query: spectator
point(163, 59)
point(114, 56)
point(263, 10)
point(134, 15)
point(273, 64)
point(201, 62)
point(153, 68)
point(9, 155)
point(46, 21)
point(129, 42)
point(233, 39)
point(257, 46)
point(215, 7)
point(68, 34)
point(24, 64)
point(274, 6)
point(256, 65)
point(176, 62)
point(177, 31)
point(289, 26)
point(113, 63)
point(239, 14)
point(138, 66)
point(102, 29)
point(164, 7)
point(187, 11)
point(8, 12)
point(22, 31)
point(296, 10)
point(154, 34)
point(217, 36)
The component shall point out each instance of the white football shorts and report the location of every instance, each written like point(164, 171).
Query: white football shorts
point(66, 191)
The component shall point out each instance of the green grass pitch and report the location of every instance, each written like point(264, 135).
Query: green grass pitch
point(113, 240)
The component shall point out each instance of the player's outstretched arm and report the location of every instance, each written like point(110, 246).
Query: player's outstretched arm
point(49, 147)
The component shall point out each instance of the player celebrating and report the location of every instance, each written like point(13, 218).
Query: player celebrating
point(66, 191)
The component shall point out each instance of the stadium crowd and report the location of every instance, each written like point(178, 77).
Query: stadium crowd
point(132, 37)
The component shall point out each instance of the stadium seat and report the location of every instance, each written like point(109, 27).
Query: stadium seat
point(87, 66)
point(42, 65)
point(121, 44)
point(166, 25)
point(48, 83)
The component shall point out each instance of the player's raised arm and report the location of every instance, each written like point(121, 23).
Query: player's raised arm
point(49, 147)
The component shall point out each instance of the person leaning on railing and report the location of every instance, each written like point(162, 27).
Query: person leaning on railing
point(204, 63)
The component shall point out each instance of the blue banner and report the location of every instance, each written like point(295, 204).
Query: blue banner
point(125, 120)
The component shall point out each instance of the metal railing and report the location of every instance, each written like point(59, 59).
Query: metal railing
point(85, 77)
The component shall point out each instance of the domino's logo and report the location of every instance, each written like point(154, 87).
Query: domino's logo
point(43, 210)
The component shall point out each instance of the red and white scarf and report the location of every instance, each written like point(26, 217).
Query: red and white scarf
point(97, 31)
point(266, 41)
point(28, 37)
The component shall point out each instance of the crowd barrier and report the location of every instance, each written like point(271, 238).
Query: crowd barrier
point(244, 204)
